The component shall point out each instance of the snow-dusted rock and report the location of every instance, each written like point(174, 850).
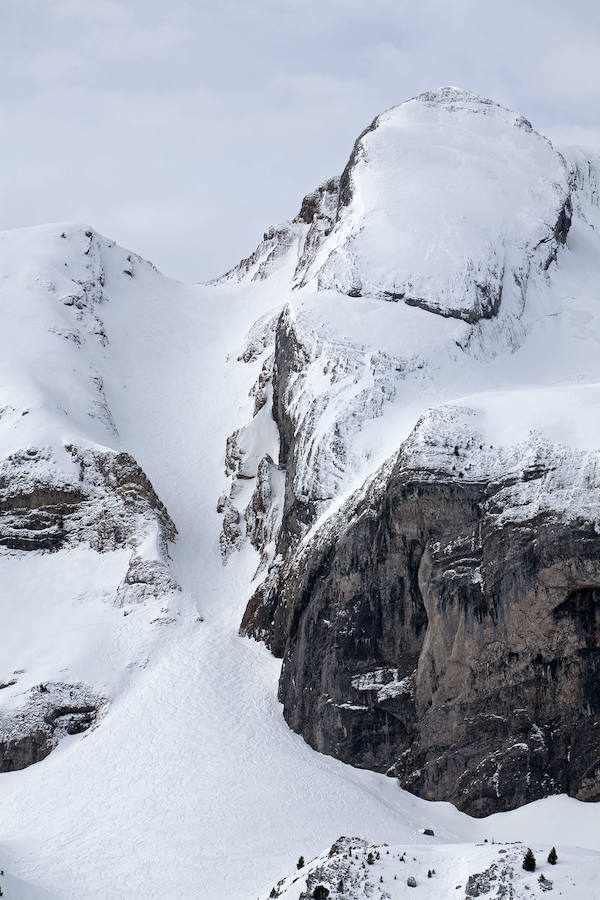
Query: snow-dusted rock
point(487, 240)
point(354, 869)
point(290, 248)
point(341, 363)
point(456, 207)
point(30, 732)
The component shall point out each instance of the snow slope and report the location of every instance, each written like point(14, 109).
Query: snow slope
point(70, 643)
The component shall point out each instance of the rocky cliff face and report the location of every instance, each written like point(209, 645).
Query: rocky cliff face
point(426, 231)
point(102, 498)
point(442, 624)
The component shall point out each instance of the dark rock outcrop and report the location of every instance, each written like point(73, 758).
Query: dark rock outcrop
point(35, 520)
point(86, 496)
point(29, 733)
point(444, 626)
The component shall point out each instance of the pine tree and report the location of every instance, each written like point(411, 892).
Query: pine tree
point(320, 892)
point(529, 861)
point(300, 863)
point(552, 857)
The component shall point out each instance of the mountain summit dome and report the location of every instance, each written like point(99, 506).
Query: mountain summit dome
point(448, 202)
point(444, 201)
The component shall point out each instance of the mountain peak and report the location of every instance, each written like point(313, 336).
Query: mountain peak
point(448, 202)
point(455, 98)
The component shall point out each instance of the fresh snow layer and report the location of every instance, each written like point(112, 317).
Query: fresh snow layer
point(374, 367)
point(445, 193)
point(192, 785)
point(567, 415)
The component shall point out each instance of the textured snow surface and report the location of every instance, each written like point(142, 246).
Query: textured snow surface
point(442, 195)
point(191, 785)
point(65, 613)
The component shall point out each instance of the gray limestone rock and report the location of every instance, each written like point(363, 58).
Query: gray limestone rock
point(444, 625)
point(29, 732)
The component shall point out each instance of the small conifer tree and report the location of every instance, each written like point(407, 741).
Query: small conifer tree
point(320, 892)
point(529, 861)
point(552, 857)
point(300, 863)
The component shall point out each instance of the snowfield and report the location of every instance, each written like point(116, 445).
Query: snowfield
point(189, 783)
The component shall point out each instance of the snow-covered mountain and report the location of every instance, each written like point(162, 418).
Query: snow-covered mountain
point(441, 623)
point(374, 442)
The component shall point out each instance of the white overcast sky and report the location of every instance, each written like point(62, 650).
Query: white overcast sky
point(183, 128)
